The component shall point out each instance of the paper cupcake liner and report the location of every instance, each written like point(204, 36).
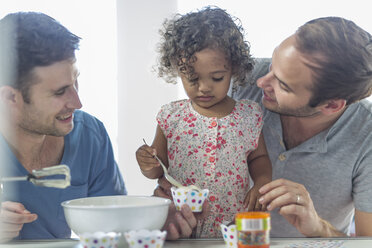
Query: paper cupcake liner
point(99, 240)
point(191, 197)
point(145, 238)
point(229, 235)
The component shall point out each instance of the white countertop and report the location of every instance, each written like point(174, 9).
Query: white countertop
point(215, 243)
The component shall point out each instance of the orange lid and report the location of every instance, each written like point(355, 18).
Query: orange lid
point(252, 215)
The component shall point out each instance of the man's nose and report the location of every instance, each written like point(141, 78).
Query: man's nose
point(265, 81)
point(74, 100)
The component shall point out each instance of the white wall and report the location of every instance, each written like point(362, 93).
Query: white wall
point(140, 92)
point(95, 22)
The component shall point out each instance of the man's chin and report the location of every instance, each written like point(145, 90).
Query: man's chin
point(293, 113)
point(276, 109)
point(66, 132)
point(269, 105)
point(62, 131)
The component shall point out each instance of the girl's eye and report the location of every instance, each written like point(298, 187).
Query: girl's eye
point(217, 79)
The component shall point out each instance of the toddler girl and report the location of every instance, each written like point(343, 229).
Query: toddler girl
point(209, 140)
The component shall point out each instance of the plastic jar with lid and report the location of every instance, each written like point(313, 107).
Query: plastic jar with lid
point(253, 229)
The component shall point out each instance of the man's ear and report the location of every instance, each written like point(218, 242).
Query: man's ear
point(9, 95)
point(333, 106)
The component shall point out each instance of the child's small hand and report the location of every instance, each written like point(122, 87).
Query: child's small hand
point(251, 199)
point(145, 158)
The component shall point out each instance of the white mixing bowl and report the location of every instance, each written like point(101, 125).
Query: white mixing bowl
point(115, 213)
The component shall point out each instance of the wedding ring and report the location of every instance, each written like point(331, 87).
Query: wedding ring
point(298, 199)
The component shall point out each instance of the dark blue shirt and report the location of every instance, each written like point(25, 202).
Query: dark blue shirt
point(94, 172)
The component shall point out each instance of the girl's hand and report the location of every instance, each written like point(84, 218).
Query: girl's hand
point(251, 199)
point(145, 158)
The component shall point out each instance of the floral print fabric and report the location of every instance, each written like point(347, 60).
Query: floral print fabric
point(212, 153)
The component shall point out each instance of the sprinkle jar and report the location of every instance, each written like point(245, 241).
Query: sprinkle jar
point(253, 229)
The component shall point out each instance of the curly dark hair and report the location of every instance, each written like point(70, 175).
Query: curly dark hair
point(28, 40)
point(210, 27)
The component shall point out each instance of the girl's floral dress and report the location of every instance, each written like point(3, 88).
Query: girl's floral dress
point(212, 153)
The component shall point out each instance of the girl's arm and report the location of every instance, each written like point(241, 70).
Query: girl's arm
point(150, 167)
point(260, 171)
point(160, 145)
point(259, 164)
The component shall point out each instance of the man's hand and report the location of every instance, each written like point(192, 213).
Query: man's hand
point(179, 224)
point(294, 204)
point(12, 217)
point(163, 189)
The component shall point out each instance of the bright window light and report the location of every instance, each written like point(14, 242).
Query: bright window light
point(95, 23)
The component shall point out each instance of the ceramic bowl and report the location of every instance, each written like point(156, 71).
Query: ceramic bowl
point(115, 213)
point(145, 238)
point(191, 197)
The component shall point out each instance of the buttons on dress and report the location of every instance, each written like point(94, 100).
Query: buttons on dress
point(214, 123)
point(282, 157)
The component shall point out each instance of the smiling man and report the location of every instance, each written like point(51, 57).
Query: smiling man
point(318, 129)
point(41, 126)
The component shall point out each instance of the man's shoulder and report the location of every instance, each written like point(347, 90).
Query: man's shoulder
point(86, 123)
point(355, 124)
point(365, 110)
point(361, 112)
point(80, 114)
point(366, 105)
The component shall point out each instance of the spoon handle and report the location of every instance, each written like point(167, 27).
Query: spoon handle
point(170, 179)
point(167, 176)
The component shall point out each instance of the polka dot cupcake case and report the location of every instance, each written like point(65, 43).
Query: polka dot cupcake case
point(229, 235)
point(192, 198)
point(145, 238)
point(99, 240)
